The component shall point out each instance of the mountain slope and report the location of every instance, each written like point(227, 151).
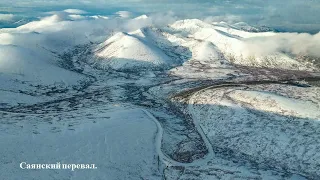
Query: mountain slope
point(124, 50)
point(272, 124)
point(242, 47)
point(28, 74)
point(27, 65)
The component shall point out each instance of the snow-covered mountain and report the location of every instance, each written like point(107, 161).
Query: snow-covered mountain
point(146, 99)
point(27, 65)
point(128, 50)
point(27, 75)
point(194, 40)
point(268, 123)
point(237, 46)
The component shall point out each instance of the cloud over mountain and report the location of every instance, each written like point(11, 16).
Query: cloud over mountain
point(286, 15)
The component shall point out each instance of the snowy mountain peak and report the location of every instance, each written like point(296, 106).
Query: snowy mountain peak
point(124, 50)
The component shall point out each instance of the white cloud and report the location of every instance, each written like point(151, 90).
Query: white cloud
point(226, 18)
point(289, 43)
point(99, 17)
point(285, 15)
point(77, 17)
point(124, 14)
point(75, 11)
point(6, 17)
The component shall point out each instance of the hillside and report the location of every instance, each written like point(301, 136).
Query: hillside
point(157, 97)
point(124, 51)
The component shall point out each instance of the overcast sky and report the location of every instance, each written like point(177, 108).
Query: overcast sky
point(284, 15)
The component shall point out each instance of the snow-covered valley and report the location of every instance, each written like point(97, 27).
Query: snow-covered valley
point(147, 100)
